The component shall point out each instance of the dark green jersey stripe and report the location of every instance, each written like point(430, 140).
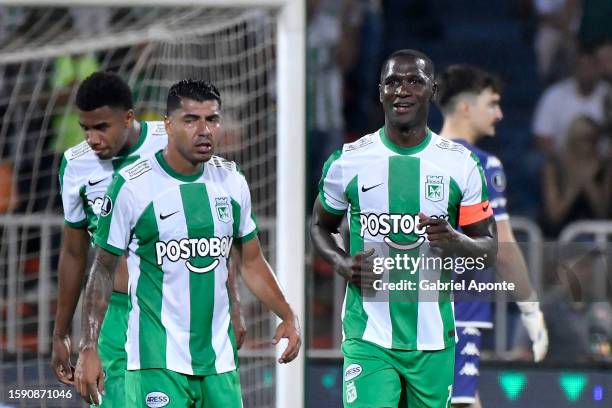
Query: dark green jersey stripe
point(236, 217)
point(355, 317)
point(200, 224)
point(105, 221)
point(149, 289)
point(485, 191)
point(404, 193)
point(92, 218)
point(454, 203)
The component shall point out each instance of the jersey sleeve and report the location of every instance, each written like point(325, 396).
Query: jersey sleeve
point(72, 203)
point(475, 196)
point(245, 226)
point(331, 187)
point(496, 182)
point(116, 218)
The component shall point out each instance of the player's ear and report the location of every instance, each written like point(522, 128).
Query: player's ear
point(380, 93)
point(167, 123)
point(129, 118)
point(434, 92)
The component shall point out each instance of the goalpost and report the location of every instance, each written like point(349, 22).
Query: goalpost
point(253, 50)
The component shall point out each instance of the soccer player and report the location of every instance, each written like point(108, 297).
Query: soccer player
point(405, 190)
point(177, 213)
point(469, 99)
point(113, 138)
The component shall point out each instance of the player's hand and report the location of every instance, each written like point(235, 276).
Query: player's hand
point(439, 232)
point(289, 329)
point(533, 320)
point(358, 269)
point(89, 377)
point(239, 326)
point(60, 359)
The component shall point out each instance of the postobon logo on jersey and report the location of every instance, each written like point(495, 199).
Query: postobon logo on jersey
point(189, 248)
point(386, 224)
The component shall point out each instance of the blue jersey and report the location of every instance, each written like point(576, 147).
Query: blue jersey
point(479, 313)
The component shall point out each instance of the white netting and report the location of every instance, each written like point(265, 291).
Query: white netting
point(44, 53)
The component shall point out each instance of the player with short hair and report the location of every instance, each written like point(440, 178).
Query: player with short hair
point(469, 99)
point(113, 139)
point(405, 191)
point(177, 214)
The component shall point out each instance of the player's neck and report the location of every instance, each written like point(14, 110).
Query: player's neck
point(458, 129)
point(134, 135)
point(405, 137)
point(179, 163)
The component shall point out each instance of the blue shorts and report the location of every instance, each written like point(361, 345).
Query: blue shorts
point(467, 365)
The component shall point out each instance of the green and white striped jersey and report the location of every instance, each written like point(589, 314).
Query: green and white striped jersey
point(84, 177)
point(178, 231)
point(383, 187)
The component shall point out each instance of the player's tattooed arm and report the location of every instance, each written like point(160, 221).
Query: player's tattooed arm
point(89, 377)
point(97, 295)
point(478, 239)
point(358, 268)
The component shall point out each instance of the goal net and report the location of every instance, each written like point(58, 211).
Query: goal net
point(44, 54)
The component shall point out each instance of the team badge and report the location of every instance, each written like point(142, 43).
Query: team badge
point(434, 188)
point(223, 208)
point(351, 392)
point(107, 206)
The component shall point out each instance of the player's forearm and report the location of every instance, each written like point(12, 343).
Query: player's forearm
point(512, 267)
point(97, 295)
point(478, 240)
point(260, 280)
point(476, 247)
point(232, 285)
point(326, 245)
point(71, 272)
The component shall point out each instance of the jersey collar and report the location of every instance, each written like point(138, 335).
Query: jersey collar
point(141, 138)
point(404, 150)
point(182, 177)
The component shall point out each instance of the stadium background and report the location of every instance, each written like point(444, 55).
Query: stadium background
point(46, 50)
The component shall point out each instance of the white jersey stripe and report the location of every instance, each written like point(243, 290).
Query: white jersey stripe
point(175, 313)
point(132, 345)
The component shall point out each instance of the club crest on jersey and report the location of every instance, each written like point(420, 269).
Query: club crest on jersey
point(434, 188)
point(223, 207)
point(351, 392)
